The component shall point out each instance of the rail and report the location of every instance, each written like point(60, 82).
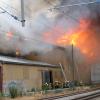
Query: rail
point(88, 97)
point(83, 95)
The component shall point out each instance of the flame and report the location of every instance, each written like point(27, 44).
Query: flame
point(73, 42)
point(9, 35)
point(69, 39)
point(81, 37)
point(17, 52)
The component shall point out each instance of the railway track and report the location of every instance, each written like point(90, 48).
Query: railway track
point(88, 97)
point(84, 95)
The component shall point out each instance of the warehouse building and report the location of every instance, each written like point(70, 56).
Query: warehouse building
point(28, 74)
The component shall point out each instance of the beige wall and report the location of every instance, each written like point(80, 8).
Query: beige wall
point(28, 75)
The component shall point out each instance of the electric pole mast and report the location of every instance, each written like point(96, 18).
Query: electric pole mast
point(73, 77)
point(22, 13)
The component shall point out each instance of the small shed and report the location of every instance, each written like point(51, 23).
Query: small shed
point(28, 74)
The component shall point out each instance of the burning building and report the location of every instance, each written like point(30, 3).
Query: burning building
point(79, 40)
point(25, 73)
point(78, 32)
point(75, 30)
point(60, 55)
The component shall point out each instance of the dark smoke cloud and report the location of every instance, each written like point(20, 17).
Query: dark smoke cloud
point(40, 19)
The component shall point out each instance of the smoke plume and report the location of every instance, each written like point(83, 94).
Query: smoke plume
point(46, 25)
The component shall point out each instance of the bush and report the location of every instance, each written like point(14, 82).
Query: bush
point(57, 85)
point(66, 85)
point(77, 83)
point(33, 90)
point(45, 87)
point(1, 94)
point(13, 92)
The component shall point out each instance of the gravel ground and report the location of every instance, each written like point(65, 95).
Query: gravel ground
point(22, 98)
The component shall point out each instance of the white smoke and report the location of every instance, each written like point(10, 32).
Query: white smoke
point(39, 19)
point(29, 38)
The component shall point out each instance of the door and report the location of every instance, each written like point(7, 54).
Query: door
point(47, 77)
point(1, 78)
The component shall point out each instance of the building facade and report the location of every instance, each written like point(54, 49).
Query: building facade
point(82, 69)
point(26, 74)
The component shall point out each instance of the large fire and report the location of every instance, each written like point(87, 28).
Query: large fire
point(81, 37)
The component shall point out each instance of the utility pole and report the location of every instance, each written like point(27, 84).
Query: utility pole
point(22, 13)
point(73, 77)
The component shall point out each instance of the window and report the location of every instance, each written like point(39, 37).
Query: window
point(47, 77)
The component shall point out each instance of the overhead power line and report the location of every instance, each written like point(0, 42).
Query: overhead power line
point(75, 4)
point(8, 5)
point(15, 17)
point(2, 12)
point(12, 8)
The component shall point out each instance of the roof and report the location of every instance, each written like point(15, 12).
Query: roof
point(18, 61)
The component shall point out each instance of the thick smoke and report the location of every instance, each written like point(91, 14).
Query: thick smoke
point(40, 21)
point(29, 38)
point(69, 19)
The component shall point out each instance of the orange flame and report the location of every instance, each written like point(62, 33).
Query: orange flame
point(9, 35)
point(80, 37)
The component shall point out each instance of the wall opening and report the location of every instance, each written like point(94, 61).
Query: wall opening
point(47, 77)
